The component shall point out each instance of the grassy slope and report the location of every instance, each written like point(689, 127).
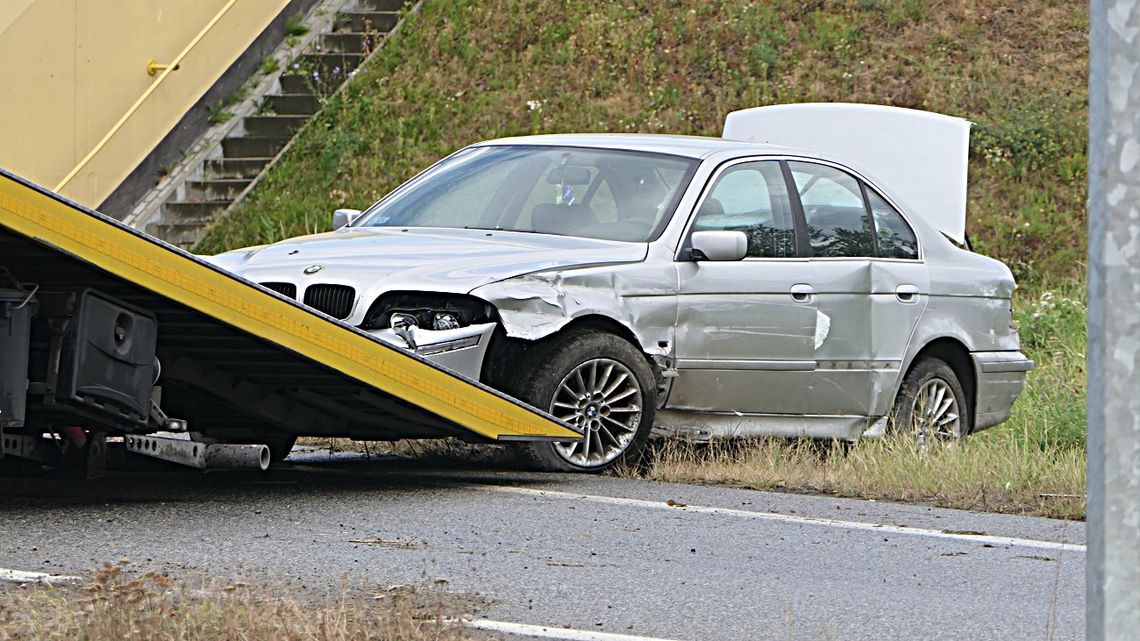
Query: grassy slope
point(461, 71)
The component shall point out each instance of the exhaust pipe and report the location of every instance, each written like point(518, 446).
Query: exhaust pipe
point(202, 456)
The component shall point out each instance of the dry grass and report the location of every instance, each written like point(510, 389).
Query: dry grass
point(1034, 464)
point(151, 606)
point(1006, 476)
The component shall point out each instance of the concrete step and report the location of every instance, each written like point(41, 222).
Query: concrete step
point(195, 212)
point(381, 5)
point(278, 126)
point(221, 189)
point(252, 147)
point(181, 234)
point(349, 42)
point(234, 167)
point(365, 21)
point(330, 69)
point(296, 83)
point(293, 104)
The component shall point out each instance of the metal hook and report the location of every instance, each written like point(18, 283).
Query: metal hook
point(35, 288)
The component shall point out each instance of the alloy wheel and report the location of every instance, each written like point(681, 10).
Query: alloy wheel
point(934, 412)
point(602, 398)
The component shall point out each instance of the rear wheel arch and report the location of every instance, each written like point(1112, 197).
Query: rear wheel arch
point(956, 355)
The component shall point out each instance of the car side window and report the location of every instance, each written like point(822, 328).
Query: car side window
point(837, 220)
point(894, 236)
point(752, 197)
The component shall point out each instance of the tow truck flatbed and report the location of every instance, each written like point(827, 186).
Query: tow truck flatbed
point(240, 362)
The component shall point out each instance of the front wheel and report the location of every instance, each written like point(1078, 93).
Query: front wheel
point(931, 405)
point(602, 385)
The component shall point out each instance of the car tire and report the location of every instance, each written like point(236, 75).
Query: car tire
point(931, 404)
point(601, 384)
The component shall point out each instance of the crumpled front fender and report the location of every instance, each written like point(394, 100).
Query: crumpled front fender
point(536, 306)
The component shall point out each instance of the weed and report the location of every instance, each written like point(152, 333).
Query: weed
point(295, 25)
point(218, 113)
point(269, 65)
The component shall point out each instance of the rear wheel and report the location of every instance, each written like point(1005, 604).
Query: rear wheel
point(931, 405)
point(602, 385)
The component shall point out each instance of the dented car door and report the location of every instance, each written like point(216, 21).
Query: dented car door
point(870, 291)
point(746, 329)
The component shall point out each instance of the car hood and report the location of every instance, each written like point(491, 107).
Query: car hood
point(379, 259)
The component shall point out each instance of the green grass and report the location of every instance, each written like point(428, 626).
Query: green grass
point(269, 65)
point(295, 26)
point(462, 71)
point(1052, 410)
point(459, 71)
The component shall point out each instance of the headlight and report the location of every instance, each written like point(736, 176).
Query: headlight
point(404, 321)
point(427, 311)
point(446, 320)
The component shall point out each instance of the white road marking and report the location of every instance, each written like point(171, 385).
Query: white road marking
point(983, 539)
point(21, 576)
point(551, 632)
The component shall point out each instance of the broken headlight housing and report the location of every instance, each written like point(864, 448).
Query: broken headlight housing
point(428, 311)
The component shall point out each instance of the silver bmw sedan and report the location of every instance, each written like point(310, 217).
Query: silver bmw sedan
point(807, 274)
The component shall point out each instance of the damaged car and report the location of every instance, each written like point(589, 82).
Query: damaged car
point(807, 275)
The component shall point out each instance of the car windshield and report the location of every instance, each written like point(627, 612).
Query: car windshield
point(594, 193)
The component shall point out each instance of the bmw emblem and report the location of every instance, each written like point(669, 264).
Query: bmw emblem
point(312, 269)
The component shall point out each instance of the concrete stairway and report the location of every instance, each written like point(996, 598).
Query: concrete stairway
point(244, 154)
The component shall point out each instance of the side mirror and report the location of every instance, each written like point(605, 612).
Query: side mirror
point(342, 217)
point(719, 245)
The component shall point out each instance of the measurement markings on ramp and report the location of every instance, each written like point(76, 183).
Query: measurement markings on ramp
point(983, 539)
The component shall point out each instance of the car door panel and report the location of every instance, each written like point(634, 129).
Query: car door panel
point(745, 340)
point(871, 288)
point(743, 344)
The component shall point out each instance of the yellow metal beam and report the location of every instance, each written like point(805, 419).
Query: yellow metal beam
point(183, 278)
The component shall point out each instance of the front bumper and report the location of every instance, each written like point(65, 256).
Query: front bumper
point(1001, 378)
point(459, 350)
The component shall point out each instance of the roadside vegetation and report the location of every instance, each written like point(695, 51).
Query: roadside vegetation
point(461, 71)
point(118, 605)
point(1034, 464)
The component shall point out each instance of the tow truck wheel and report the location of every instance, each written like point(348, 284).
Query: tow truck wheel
point(602, 385)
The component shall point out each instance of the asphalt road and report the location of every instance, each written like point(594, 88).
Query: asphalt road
point(596, 554)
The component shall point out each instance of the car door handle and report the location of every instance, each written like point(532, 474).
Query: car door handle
point(802, 293)
point(906, 293)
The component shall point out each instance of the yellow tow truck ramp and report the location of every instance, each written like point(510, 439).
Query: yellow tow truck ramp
point(237, 360)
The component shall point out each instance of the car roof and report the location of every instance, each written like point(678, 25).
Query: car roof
point(688, 146)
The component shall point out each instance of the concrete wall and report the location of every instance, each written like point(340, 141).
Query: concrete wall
point(72, 69)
